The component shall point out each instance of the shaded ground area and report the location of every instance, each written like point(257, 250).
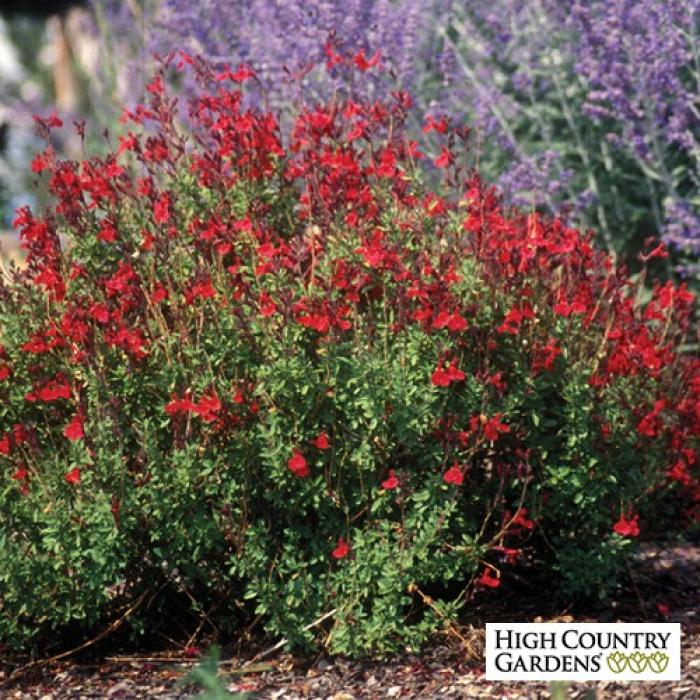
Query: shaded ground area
point(665, 587)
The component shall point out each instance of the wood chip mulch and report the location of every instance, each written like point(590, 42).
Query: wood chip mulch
point(666, 588)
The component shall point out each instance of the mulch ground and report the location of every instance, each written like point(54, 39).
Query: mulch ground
point(665, 587)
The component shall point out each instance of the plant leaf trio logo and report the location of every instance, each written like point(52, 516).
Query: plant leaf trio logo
point(637, 662)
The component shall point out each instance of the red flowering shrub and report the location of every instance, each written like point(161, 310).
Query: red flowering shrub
point(280, 375)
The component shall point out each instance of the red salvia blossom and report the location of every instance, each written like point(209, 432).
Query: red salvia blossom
point(488, 580)
point(297, 465)
point(74, 430)
point(364, 63)
point(454, 475)
point(159, 294)
point(439, 125)
point(99, 312)
point(651, 424)
point(240, 76)
point(202, 289)
point(520, 519)
point(321, 441)
point(680, 472)
point(107, 233)
point(267, 306)
point(494, 428)
point(444, 376)
point(391, 482)
point(50, 390)
point(513, 319)
point(342, 549)
point(21, 474)
point(627, 527)
point(73, 476)
point(453, 322)
point(161, 209)
point(445, 159)
point(177, 405)
point(208, 407)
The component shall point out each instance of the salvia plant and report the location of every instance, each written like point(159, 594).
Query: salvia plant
point(273, 373)
point(593, 104)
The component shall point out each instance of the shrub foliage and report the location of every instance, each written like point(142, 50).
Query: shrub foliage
point(279, 375)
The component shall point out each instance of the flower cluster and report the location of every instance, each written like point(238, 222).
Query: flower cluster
point(273, 361)
point(573, 92)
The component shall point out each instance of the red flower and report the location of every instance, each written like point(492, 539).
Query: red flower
point(99, 312)
point(319, 322)
point(73, 476)
point(107, 233)
point(493, 428)
point(241, 75)
point(321, 441)
point(342, 550)
point(453, 322)
point(267, 306)
point(362, 63)
point(444, 159)
point(440, 377)
point(522, 520)
point(651, 423)
point(297, 465)
point(679, 472)
point(333, 58)
point(496, 381)
point(511, 323)
point(203, 289)
point(52, 121)
point(454, 475)
point(161, 209)
point(51, 390)
point(5, 372)
point(42, 161)
point(74, 430)
point(444, 377)
point(392, 482)
point(627, 528)
point(208, 407)
point(439, 126)
point(147, 239)
point(658, 252)
point(488, 580)
point(160, 293)
point(183, 405)
point(387, 163)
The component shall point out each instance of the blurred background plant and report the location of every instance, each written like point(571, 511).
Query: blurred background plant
point(206, 676)
point(594, 105)
point(597, 105)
